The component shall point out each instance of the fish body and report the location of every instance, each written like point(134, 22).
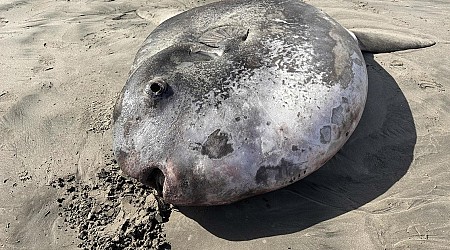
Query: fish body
point(238, 98)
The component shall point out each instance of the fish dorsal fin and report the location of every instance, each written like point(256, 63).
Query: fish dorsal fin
point(223, 35)
point(383, 41)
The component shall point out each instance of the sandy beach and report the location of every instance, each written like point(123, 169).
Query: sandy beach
point(63, 65)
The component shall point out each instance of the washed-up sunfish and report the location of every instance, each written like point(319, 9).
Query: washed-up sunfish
point(238, 98)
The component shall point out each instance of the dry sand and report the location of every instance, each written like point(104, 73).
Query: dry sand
point(62, 66)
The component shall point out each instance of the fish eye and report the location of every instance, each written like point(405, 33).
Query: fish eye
point(156, 86)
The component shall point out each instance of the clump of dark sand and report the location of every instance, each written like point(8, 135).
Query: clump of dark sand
point(114, 213)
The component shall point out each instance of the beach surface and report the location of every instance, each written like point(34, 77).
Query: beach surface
point(63, 65)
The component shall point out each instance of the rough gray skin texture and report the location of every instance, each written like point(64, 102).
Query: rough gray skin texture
point(238, 98)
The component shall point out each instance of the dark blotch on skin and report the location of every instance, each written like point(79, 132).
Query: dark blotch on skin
point(325, 134)
point(294, 148)
point(217, 146)
point(337, 115)
point(280, 172)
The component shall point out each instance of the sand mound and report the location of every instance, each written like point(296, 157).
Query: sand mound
point(115, 213)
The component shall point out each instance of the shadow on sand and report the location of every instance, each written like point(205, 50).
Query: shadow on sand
point(376, 156)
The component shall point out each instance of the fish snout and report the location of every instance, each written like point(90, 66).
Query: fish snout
point(152, 174)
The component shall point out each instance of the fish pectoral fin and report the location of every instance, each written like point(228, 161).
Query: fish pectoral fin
point(224, 36)
point(217, 41)
point(384, 41)
point(205, 50)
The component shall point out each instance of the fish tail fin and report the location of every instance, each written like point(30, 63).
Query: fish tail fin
point(384, 41)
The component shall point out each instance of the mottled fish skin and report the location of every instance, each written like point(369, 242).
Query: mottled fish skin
point(238, 98)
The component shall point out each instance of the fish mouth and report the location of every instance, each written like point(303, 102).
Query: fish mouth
point(150, 175)
point(155, 178)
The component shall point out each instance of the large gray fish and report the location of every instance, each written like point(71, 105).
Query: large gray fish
point(238, 98)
